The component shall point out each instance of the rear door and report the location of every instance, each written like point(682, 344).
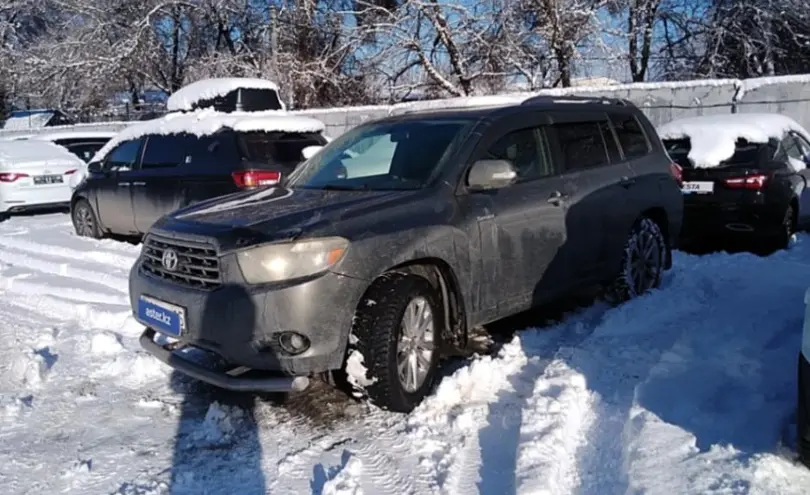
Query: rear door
point(601, 212)
point(112, 187)
point(157, 186)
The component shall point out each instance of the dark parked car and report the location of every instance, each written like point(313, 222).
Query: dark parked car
point(145, 172)
point(384, 249)
point(748, 175)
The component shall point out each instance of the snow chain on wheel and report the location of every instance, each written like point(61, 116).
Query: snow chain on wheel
point(642, 265)
point(386, 333)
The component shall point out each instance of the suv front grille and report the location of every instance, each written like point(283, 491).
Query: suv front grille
point(197, 263)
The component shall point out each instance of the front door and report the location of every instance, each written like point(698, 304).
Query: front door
point(522, 226)
point(113, 188)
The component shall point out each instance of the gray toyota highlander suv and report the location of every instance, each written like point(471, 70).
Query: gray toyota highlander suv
point(383, 250)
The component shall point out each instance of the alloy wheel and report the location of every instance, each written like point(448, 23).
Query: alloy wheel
point(415, 346)
point(83, 220)
point(645, 262)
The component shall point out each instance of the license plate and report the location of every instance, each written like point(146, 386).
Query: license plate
point(698, 187)
point(164, 317)
point(48, 179)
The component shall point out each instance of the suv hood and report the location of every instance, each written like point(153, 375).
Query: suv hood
point(285, 210)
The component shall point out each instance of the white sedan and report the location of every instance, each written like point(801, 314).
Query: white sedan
point(35, 175)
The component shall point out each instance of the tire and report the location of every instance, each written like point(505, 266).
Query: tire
point(786, 229)
point(85, 222)
point(630, 282)
point(377, 334)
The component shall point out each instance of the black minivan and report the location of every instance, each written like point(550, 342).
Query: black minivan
point(143, 177)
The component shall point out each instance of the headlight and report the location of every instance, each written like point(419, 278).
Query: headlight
point(277, 262)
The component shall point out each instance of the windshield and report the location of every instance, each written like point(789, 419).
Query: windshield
point(746, 154)
point(384, 156)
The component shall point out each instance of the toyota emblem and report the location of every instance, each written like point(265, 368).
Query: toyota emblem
point(170, 259)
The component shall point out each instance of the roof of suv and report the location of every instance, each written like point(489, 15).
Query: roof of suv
point(206, 122)
point(495, 110)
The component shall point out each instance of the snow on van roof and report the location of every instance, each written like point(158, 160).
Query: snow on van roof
point(207, 121)
point(24, 151)
point(713, 138)
point(185, 97)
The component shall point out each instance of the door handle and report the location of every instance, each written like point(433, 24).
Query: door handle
point(123, 184)
point(626, 181)
point(556, 198)
point(139, 183)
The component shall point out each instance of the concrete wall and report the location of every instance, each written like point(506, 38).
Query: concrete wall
point(662, 102)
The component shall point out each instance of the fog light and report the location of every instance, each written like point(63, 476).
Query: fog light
point(293, 343)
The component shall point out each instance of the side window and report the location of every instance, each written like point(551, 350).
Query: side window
point(582, 145)
point(631, 136)
point(610, 142)
point(164, 151)
point(124, 156)
point(525, 152)
point(218, 150)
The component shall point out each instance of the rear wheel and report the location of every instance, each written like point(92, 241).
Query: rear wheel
point(84, 220)
point(786, 229)
point(643, 261)
point(397, 332)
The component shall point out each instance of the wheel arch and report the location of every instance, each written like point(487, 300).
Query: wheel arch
point(443, 278)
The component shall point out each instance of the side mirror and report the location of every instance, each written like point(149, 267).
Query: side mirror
point(491, 174)
point(94, 167)
point(310, 151)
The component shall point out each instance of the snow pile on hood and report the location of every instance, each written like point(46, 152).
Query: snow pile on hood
point(26, 151)
point(185, 98)
point(713, 138)
point(207, 121)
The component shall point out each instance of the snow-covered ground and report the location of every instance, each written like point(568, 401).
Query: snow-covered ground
point(690, 389)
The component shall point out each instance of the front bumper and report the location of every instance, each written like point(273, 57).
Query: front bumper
point(803, 420)
point(241, 324)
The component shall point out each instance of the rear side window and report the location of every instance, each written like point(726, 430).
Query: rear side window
point(277, 148)
point(581, 144)
point(631, 136)
point(166, 151)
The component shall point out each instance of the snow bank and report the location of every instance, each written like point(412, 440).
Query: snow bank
point(713, 137)
point(207, 121)
point(185, 98)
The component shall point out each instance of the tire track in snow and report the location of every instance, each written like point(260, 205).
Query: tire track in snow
point(117, 282)
point(108, 258)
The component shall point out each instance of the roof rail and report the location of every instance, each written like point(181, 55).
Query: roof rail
point(577, 99)
point(457, 103)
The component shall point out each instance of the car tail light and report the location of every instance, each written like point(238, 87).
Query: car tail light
point(749, 182)
point(71, 171)
point(11, 176)
point(677, 173)
point(254, 178)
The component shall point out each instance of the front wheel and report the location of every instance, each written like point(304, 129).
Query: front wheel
point(393, 354)
point(642, 265)
point(84, 220)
